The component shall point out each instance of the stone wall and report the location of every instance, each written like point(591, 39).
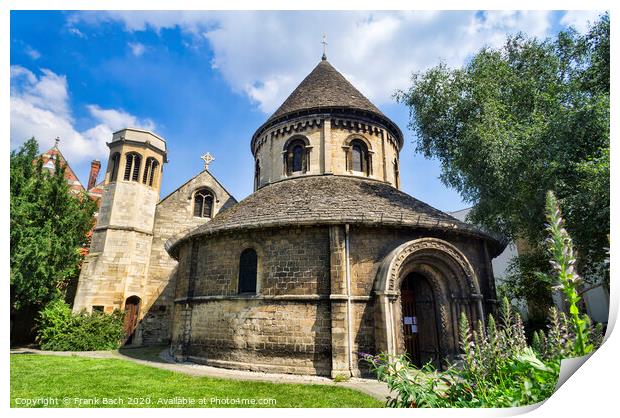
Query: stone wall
point(127, 255)
point(173, 216)
point(327, 138)
point(369, 246)
point(298, 322)
point(129, 205)
point(117, 272)
point(263, 335)
point(291, 262)
point(285, 327)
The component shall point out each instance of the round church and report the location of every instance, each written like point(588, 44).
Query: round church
point(327, 259)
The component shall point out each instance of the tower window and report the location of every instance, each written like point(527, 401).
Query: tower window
point(203, 204)
point(248, 266)
point(132, 166)
point(396, 173)
point(114, 163)
point(296, 157)
point(298, 153)
point(257, 174)
point(150, 168)
point(359, 157)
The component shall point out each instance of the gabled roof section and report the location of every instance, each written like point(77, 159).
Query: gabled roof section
point(189, 180)
point(325, 87)
point(54, 153)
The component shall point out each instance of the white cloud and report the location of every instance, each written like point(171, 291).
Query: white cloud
point(77, 32)
point(40, 108)
point(136, 48)
point(190, 21)
point(32, 53)
point(48, 92)
point(264, 55)
point(119, 119)
point(580, 19)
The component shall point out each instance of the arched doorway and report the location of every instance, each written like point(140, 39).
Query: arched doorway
point(439, 269)
point(132, 310)
point(419, 320)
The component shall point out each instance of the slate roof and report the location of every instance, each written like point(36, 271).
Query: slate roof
point(329, 199)
point(325, 87)
point(326, 90)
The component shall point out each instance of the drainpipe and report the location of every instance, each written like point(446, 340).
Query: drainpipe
point(348, 277)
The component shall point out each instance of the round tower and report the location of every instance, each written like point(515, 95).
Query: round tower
point(326, 126)
point(325, 259)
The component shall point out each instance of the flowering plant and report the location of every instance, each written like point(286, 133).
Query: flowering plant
point(497, 367)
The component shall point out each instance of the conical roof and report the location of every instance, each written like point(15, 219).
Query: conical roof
point(325, 90)
point(325, 87)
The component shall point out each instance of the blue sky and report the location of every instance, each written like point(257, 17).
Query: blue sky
point(206, 80)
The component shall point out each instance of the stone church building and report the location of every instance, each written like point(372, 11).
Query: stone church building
point(325, 260)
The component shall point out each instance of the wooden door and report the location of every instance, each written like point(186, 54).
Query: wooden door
point(419, 320)
point(132, 310)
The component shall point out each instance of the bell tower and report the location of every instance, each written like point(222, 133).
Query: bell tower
point(114, 272)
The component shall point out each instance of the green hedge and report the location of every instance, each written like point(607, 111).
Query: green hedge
point(59, 329)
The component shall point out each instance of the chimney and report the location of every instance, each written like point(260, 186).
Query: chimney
point(94, 172)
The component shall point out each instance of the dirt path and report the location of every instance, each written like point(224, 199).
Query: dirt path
point(159, 357)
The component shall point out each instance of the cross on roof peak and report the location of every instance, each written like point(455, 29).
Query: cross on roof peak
point(208, 159)
point(324, 42)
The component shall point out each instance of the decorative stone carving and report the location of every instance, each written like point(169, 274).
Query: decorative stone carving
point(447, 270)
point(441, 249)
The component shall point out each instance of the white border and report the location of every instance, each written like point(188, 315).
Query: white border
point(592, 391)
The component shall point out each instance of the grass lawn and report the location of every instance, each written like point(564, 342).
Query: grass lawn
point(55, 381)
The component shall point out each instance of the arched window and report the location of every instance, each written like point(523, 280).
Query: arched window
point(296, 157)
point(359, 159)
point(298, 154)
point(154, 167)
point(132, 166)
point(396, 173)
point(248, 266)
point(150, 168)
point(114, 163)
point(203, 203)
point(257, 174)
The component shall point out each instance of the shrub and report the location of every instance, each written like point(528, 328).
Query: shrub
point(416, 388)
point(59, 329)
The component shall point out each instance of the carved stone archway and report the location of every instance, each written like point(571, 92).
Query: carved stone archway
point(453, 281)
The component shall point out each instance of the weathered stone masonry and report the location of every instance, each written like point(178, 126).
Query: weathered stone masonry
point(127, 256)
point(334, 239)
point(314, 267)
point(299, 321)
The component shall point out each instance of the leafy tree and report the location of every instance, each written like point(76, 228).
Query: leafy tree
point(48, 228)
point(528, 277)
point(517, 121)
